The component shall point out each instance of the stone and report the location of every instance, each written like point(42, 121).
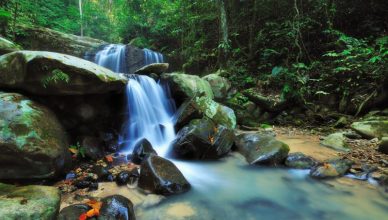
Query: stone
point(32, 141)
point(157, 68)
point(48, 73)
point(116, 207)
point(202, 139)
point(73, 211)
point(383, 146)
point(142, 150)
point(184, 86)
point(161, 176)
point(336, 141)
point(123, 178)
point(29, 202)
point(7, 46)
point(261, 149)
point(265, 102)
point(372, 127)
point(220, 85)
point(300, 161)
point(330, 169)
point(93, 147)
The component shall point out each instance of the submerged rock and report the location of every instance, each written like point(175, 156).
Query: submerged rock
point(261, 149)
point(220, 85)
point(32, 141)
point(300, 161)
point(184, 86)
point(116, 207)
point(202, 139)
point(29, 202)
point(331, 168)
point(161, 176)
point(336, 141)
point(73, 212)
point(7, 46)
point(48, 73)
point(141, 151)
point(372, 127)
point(157, 68)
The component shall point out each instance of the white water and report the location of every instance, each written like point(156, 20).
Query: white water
point(112, 57)
point(152, 57)
point(150, 115)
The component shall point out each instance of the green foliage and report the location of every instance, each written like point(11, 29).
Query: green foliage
point(78, 150)
point(56, 76)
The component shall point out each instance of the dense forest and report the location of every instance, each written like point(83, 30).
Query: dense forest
point(240, 109)
point(287, 46)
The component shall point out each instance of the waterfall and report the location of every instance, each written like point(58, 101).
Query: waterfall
point(152, 57)
point(113, 57)
point(149, 108)
point(150, 114)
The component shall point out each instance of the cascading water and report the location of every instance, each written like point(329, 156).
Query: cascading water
point(150, 114)
point(112, 57)
point(150, 110)
point(152, 57)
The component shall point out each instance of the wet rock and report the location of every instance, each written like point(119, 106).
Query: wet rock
point(157, 68)
point(336, 141)
point(383, 146)
point(202, 139)
point(93, 147)
point(70, 176)
point(185, 113)
point(372, 127)
point(261, 149)
point(184, 86)
point(123, 178)
point(82, 184)
point(220, 85)
point(73, 212)
point(101, 172)
point(33, 72)
point(29, 202)
point(116, 207)
point(331, 168)
point(32, 141)
point(161, 176)
point(142, 150)
point(7, 46)
point(300, 161)
point(93, 186)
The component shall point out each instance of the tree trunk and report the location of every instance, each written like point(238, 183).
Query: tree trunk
point(81, 17)
point(224, 42)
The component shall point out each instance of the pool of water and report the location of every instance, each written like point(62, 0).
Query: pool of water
point(229, 189)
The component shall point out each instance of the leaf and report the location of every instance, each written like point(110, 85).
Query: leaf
point(73, 150)
point(94, 204)
point(109, 159)
point(83, 216)
point(276, 70)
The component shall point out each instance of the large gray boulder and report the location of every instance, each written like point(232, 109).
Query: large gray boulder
point(29, 202)
point(220, 85)
point(47, 73)
point(32, 142)
point(261, 149)
point(336, 141)
point(156, 68)
point(372, 127)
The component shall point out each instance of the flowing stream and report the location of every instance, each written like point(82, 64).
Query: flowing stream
point(229, 189)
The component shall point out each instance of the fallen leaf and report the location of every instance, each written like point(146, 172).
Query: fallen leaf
point(83, 216)
point(109, 158)
point(73, 150)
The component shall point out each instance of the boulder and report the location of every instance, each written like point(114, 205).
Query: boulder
point(93, 147)
point(184, 86)
point(29, 202)
point(270, 104)
point(39, 38)
point(203, 106)
point(7, 46)
point(73, 212)
point(220, 85)
point(47, 73)
point(202, 139)
point(261, 149)
point(247, 112)
point(383, 146)
point(161, 176)
point(157, 68)
point(300, 161)
point(331, 168)
point(116, 207)
point(372, 127)
point(141, 151)
point(336, 141)
point(32, 141)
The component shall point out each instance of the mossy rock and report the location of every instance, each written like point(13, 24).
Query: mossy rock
point(372, 127)
point(29, 202)
point(47, 73)
point(7, 46)
point(220, 85)
point(32, 141)
point(336, 141)
point(185, 86)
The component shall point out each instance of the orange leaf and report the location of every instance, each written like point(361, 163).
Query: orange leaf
point(92, 213)
point(83, 216)
point(94, 204)
point(109, 158)
point(73, 150)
